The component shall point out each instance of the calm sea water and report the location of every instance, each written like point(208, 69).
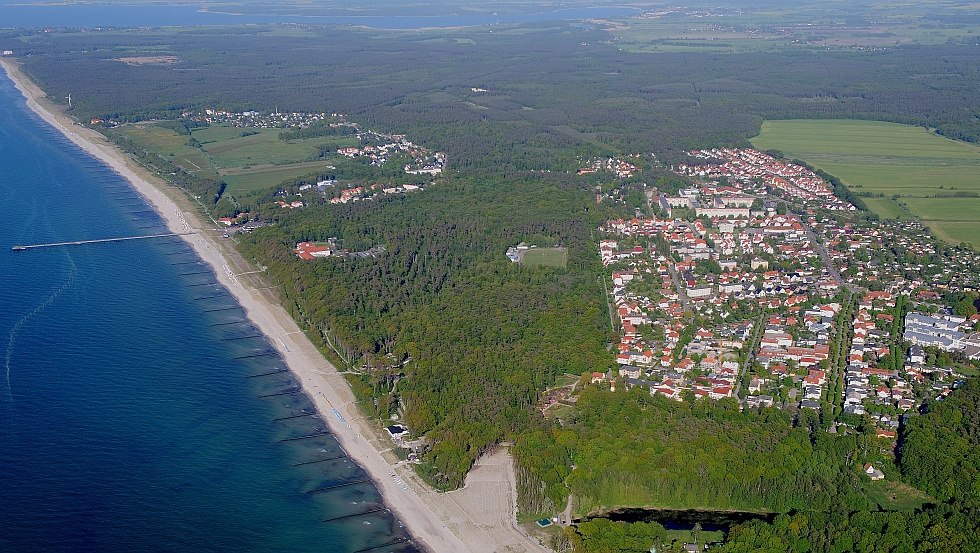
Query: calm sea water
point(132, 415)
point(22, 15)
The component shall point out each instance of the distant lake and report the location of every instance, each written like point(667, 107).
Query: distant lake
point(87, 15)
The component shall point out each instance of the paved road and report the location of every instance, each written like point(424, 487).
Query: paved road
point(677, 285)
point(753, 349)
point(827, 261)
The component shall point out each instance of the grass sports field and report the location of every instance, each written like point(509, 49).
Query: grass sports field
point(913, 169)
point(545, 257)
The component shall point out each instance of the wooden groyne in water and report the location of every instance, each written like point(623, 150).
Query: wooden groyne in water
point(97, 241)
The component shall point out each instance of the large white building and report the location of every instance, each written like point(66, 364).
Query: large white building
point(939, 331)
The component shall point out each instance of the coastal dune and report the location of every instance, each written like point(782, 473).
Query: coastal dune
point(478, 518)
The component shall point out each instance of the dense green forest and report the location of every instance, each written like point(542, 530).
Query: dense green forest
point(553, 91)
point(479, 336)
point(940, 453)
point(634, 449)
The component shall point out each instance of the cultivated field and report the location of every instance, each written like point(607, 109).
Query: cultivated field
point(255, 179)
point(915, 170)
point(887, 208)
point(168, 143)
point(257, 161)
point(228, 149)
point(545, 257)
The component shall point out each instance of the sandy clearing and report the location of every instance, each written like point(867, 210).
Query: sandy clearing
point(478, 518)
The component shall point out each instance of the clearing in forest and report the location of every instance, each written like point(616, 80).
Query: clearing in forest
point(545, 257)
point(898, 169)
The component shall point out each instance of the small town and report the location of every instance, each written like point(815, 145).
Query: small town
point(758, 284)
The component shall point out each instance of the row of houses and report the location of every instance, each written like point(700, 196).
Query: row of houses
point(752, 171)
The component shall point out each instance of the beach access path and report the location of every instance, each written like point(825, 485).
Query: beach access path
point(478, 518)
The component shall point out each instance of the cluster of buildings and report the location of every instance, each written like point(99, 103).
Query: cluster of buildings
point(945, 332)
point(659, 349)
point(620, 167)
point(378, 148)
point(267, 120)
point(870, 377)
point(768, 321)
point(791, 357)
point(899, 256)
point(768, 260)
point(309, 251)
point(313, 250)
point(755, 172)
point(710, 202)
point(757, 283)
point(357, 193)
point(739, 285)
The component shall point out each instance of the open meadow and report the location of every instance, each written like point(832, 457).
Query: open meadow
point(232, 147)
point(915, 172)
point(249, 160)
point(166, 142)
point(256, 179)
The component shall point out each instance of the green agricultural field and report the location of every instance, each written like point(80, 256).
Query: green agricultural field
point(228, 149)
point(965, 210)
point(246, 181)
point(168, 143)
point(247, 163)
point(545, 257)
point(886, 208)
point(901, 161)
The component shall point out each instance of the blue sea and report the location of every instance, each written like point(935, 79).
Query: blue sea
point(139, 410)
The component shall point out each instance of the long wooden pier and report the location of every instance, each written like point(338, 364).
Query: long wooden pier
point(97, 241)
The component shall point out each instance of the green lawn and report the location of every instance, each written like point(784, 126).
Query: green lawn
point(685, 536)
point(895, 160)
point(945, 209)
point(560, 412)
point(892, 495)
point(567, 380)
point(545, 257)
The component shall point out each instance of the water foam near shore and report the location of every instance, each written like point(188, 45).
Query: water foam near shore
point(142, 409)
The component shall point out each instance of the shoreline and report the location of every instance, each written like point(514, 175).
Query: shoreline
point(436, 522)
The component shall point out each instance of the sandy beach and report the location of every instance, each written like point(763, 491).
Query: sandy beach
point(478, 518)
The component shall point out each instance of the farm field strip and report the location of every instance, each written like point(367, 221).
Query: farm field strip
point(229, 149)
point(168, 143)
point(910, 167)
point(254, 180)
point(247, 159)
